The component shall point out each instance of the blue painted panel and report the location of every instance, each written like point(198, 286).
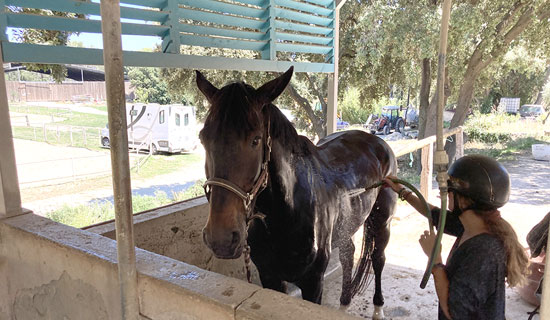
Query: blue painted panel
point(304, 7)
point(146, 3)
point(302, 27)
point(290, 47)
point(221, 32)
point(88, 8)
point(18, 20)
point(303, 38)
point(224, 7)
point(222, 43)
point(302, 17)
point(32, 53)
point(221, 19)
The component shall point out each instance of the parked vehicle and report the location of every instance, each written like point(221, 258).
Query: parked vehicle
point(388, 120)
point(154, 127)
point(509, 105)
point(531, 110)
point(341, 125)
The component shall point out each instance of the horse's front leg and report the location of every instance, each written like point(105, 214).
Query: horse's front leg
point(263, 257)
point(312, 282)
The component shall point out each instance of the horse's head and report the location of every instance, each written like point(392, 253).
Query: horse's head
point(237, 144)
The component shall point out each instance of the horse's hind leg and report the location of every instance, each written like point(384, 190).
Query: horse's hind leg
point(346, 251)
point(379, 223)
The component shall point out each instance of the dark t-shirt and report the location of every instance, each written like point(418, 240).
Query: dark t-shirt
point(476, 271)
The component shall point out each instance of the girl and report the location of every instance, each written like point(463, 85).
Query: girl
point(486, 254)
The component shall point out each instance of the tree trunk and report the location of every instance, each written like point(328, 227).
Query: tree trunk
point(302, 102)
point(425, 85)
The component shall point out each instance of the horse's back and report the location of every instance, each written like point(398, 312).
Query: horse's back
point(359, 150)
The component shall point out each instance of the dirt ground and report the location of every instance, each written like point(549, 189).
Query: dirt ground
point(405, 261)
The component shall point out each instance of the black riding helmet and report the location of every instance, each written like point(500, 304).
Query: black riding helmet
point(481, 179)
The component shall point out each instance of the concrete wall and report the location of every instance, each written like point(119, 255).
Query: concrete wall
point(175, 231)
point(52, 271)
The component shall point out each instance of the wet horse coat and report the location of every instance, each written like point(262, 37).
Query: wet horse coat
point(310, 201)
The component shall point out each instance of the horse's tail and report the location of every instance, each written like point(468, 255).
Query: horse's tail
point(360, 278)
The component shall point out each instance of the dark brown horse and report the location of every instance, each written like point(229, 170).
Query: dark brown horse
point(289, 200)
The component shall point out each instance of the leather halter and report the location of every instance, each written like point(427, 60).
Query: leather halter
point(259, 185)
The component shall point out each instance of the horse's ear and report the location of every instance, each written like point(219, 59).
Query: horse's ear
point(206, 87)
point(271, 90)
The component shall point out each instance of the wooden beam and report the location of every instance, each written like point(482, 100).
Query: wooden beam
point(10, 197)
point(120, 164)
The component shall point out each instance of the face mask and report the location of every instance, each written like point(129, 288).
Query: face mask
point(456, 209)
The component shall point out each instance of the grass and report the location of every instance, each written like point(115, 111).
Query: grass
point(90, 139)
point(87, 214)
point(165, 163)
point(72, 118)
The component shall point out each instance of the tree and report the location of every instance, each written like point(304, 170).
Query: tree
point(148, 85)
point(505, 24)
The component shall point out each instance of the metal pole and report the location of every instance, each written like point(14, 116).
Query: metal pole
point(332, 99)
point(116, 106)
point(441, 159)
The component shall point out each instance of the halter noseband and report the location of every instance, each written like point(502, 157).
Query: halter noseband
point(259, 185)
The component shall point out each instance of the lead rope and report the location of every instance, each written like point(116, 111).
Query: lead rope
point(246, 250)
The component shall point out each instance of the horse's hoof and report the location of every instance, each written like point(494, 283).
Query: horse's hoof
point(378, 313)
point(344, 307)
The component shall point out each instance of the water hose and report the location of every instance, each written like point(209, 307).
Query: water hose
point(428, 214)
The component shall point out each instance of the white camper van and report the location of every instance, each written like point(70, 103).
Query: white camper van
point(154, 127)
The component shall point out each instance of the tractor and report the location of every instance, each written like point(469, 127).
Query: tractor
point(387, 121)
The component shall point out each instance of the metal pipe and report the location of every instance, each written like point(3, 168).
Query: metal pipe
point(441, 159)
point(116, 108)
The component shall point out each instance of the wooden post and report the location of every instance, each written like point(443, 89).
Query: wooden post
point(459, 144)
point(85, 137)
point(71, 133)
point(45, 134)
point(427, 170)
point(10, 196)
point(122, 190)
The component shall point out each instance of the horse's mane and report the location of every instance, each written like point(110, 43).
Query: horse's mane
point(235, 108)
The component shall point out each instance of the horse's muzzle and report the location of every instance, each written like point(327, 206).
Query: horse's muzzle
point(226, 246)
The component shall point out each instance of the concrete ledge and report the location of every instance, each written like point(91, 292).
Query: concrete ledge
point(42, 260)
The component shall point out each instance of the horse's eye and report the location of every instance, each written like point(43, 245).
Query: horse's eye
point(256, 141)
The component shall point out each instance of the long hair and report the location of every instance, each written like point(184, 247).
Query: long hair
point(516, 258)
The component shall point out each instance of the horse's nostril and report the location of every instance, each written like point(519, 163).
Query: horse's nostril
point(236, 238)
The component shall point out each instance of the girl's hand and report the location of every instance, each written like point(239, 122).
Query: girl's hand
point(427, 242)
point(395, 186)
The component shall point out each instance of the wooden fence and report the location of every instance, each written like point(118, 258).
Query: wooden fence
point(427, 147)
point(67, 91)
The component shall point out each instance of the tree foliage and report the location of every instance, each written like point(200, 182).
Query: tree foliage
point(148, 86)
